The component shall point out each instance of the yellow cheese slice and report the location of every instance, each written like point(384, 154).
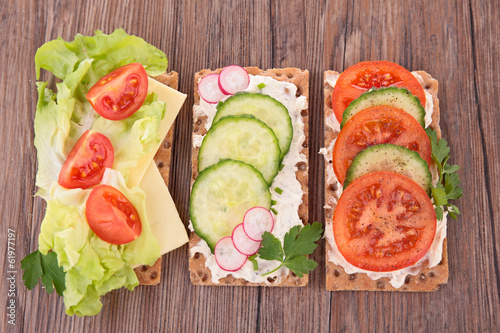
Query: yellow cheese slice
point(162, 214)
point(173, 101)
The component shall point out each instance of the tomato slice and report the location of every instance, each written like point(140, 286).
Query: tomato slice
point(376, 125)
point(111, 216)
point(87, 161)
point(383, 222)
point(121, 93)
point(361, 77)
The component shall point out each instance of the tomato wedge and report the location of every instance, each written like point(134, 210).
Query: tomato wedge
point(376, 125)
point(383, 222)
point(121, 93)
point(111, 216)
point(361, 77)
point(87, 161)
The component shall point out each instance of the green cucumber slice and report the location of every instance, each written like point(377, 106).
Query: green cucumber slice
point(387, 157)
point(263, 107)
point(221, 196)
point(243, 139)
point(400, 98)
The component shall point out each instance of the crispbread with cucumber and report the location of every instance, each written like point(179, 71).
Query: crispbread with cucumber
point(382, 230)
point(250, 168)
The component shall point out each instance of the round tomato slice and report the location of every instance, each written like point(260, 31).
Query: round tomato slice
point(376, 125)
point(121, 93)
point(383, 222)
point(87, 161)
point(361, 77)
point(111, 216)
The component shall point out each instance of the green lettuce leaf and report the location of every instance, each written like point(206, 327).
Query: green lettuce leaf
point(108, 52)
point(94, 267)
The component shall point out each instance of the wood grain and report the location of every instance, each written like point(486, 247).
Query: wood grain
point(455, 41)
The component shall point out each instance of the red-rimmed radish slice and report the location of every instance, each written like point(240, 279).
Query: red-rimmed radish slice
point(243, 243)
point(209, 89)
point(233, 79)
point(226, 255)
point(256, 221)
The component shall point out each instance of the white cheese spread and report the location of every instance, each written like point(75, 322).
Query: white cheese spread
point(288, 202)
point(429, 103)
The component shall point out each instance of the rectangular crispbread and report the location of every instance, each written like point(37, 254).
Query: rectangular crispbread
point(201, 275)
point(151, 275)
point(428, 279)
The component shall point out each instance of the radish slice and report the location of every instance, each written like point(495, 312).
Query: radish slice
point(233, 79)
point(242, 243)
point(256, 221)
point(208, 88)
point(227, 257)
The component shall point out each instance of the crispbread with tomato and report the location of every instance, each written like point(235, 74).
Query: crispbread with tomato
point(365, 250)
point(207, 264)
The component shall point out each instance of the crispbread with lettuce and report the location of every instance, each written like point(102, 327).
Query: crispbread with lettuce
point(71, 257)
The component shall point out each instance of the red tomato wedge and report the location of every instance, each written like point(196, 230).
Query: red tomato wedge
point(111, 216)
point(383, 222)
point(87, 161)
point(361, 77)
point(376, 125)
point(121, 93)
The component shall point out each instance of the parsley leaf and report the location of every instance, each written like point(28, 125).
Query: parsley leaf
point(271, 248)
point(447, 187)
point(298, 243)
point(39, 266)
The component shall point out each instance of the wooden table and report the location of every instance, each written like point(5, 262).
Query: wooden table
point(457, 42)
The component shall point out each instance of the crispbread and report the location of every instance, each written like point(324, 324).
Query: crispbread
point(199, 274)
point(428, 279)
point(151, 275)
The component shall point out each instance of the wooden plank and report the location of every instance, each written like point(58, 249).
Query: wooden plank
point(405, 34)
point(457, 42)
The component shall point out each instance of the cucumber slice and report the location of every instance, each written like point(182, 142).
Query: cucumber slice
point(243, 139)
point(400, 98)
point(387, 157)
point(265, 108)
point(221, 196)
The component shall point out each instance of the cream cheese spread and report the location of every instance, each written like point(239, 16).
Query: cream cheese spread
point(397, 278)
point(288, 202)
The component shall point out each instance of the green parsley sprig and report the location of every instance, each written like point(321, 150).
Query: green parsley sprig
point(38, 266)
point(447, 187)
point(298, 243)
